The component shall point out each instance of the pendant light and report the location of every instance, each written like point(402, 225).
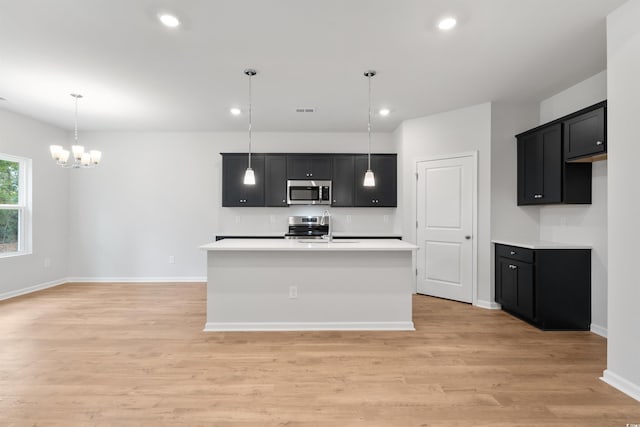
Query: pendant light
point(249, 176)
point(369, 178)
point(81, 157)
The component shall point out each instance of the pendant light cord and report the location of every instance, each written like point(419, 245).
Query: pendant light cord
point(369, 124)
point(75, 132)
point(250, 76)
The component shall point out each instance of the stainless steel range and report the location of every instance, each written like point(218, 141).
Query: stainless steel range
point(308, 227)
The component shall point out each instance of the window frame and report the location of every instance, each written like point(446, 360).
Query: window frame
point(23, 206)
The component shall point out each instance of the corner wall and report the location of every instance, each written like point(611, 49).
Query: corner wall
point(582, 224)
point(623, 58)
point(25, 137)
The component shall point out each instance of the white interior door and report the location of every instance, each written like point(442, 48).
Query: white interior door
point(445, 219)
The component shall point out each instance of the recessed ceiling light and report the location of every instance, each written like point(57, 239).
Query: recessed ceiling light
point(447, 23)
point(169, 20)
point(384, 111)
point(235, 111)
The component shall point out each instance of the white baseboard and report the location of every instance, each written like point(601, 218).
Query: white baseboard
point(599, 330)
point(136, 279)
point(307, 326)
point(30, 289)
point(489, 305)
point(624, 385)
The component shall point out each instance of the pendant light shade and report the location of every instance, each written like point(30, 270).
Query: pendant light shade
point(369, 178)
point(249, 176)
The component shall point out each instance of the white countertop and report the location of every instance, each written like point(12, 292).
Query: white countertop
point(336, 234)
point(541, 244)
point(298, 245)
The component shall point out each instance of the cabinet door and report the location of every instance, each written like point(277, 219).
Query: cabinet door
point(540, 167)
point(384, 194)
point(234, 191)
point(585, 135)
point(514, 287)
point(308, 167)
point(275, 180)
point(342, 181)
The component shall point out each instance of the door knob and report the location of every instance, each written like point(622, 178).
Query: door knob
point(467, 237)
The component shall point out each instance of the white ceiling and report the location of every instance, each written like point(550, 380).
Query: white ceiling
point(136, 74)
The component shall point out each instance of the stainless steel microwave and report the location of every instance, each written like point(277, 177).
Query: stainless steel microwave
point(308, 192)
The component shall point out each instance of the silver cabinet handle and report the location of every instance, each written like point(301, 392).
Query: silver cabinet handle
point(598, 142)
point(467, 237)
point(537, 196)
point(512, 252)
point(513, 267)
point(284, 201)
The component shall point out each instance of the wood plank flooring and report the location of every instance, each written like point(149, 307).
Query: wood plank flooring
point(126, 354)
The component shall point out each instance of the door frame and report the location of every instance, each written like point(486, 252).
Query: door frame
point(474, 220)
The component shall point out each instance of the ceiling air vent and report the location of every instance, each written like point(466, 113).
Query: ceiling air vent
point(306, 110)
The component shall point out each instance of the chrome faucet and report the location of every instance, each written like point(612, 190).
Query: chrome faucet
point(326, 220)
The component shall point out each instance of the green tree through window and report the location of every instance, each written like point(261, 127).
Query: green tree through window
point(9, 197)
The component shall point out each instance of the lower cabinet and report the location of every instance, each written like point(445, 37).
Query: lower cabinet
point(550, 288)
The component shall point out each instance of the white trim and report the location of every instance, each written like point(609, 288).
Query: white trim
point(307, 326)
point(137, 279)
point(599, 330)
point(622, 384)
point(474, 221)
point(30, 289)
point(489, 305)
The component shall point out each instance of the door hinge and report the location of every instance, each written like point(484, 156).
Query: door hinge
point(416, 224)
point(416, 176)
point(416, 271)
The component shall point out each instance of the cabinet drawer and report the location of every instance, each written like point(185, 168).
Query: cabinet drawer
point(514, 252)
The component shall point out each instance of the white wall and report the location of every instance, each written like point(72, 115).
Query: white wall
point(582, 223)
point(25, 137)
point(159, 194)
point(623, 87)
point(463, 130)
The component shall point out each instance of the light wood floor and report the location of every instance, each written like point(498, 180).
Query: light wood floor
point(119, 355)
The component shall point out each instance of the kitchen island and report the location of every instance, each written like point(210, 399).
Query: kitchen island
point(293, 285)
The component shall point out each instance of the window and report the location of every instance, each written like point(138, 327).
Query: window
point(15, 201)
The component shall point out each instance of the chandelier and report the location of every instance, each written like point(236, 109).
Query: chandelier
point(81, 157)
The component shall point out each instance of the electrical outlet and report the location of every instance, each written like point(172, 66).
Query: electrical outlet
point(272, 219)
point(293, 292)
point(348, 219)
point(47, 262)
point(238, 220)
point(172, 259)
point(386, 218)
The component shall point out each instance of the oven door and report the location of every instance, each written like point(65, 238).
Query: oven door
point(308, 192)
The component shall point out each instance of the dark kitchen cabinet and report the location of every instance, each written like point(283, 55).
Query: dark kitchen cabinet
point(585, 136)
point(543, 176)
point(308, 166)
point(234, 191)
point(275, 180)
point(343, 170)
point(550, 288)
point(384, 194)
point(540, 166)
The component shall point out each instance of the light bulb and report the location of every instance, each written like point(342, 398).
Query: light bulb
point(95, 156)
point(86, 159)
point(369, 179)
point(235, 111)
point(384, 111)
point(447, 23)
point(55, 151)
point(169, 20)
point(64, 156)
point(249, 177)
point(78, 151)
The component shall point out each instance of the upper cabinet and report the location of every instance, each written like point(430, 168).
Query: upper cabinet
point(540, 166)
point(585, 136)
point(308, 166)
point(275, 166)
point(384, 194)
point(234, 191)
point(346, 172)
point(554, 159)
point(342, 185)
